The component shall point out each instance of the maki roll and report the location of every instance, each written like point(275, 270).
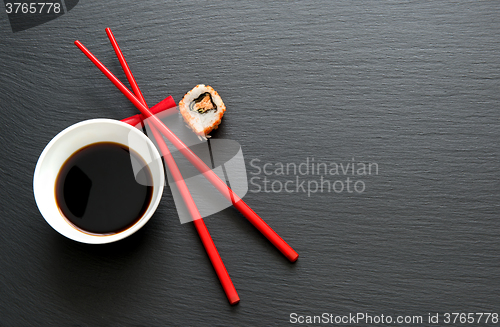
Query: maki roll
point(202, 109)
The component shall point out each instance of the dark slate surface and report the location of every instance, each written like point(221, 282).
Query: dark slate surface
point(412, 86)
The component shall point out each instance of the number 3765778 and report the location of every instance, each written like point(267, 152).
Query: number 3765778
point(32, 8)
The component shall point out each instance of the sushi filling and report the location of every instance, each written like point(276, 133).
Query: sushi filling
point(203, 103)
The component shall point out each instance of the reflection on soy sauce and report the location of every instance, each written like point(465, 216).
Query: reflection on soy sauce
point(97, 189)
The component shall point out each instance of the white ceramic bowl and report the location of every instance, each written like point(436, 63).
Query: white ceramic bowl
point(75, 137)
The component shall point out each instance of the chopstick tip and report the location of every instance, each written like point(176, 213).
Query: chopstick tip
point(234, 300)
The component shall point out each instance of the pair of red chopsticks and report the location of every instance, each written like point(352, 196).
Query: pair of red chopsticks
point(158, 128)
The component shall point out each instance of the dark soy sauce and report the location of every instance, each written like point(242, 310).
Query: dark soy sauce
point(98, 192)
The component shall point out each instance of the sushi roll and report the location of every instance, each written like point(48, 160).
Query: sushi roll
point(202, 109)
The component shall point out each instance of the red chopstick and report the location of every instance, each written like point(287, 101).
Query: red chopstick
point(257, 221)
point(160, 109)
point(203, 232)
point(202, 229)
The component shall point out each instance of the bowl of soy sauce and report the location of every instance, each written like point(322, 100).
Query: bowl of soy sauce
point(98, 181)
